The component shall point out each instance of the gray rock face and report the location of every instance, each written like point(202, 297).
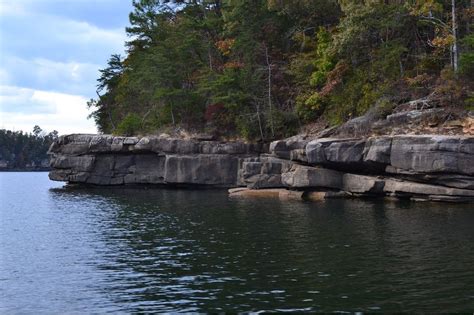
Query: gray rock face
point(306, 177)
point(203, 169)
point(315, 151)
point(284, 148)
point(377, 150)
point(262, 172)
point(399, 187)
point(426, 154)
point(80, 163)
point(361, 184)
point(140, 168)
point(427, 167)
point(433, 154)
point(348, 154)
point(341, 154)
point(109, 160)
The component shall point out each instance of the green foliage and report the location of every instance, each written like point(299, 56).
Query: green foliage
point(286, 124)
point(309, 106)
point(130, 125)
point(469, 102)
point(257, 68)
point(466, 60)
point(20, 150)
point(324, 59)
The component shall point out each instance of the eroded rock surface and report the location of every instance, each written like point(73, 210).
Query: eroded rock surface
point(418, 167)
point(109, 160)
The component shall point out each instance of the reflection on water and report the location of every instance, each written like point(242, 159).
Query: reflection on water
point(138, 250)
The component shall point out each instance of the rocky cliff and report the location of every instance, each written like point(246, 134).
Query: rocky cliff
point(110, 160)
point(427, 167)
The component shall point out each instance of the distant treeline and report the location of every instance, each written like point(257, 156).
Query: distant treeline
point(25, 151)
point(261, 68)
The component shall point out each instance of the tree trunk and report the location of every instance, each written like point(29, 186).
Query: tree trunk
point(259, 121)
point(454, 31)
point(269, 94)
point(209, 56)
point(172, 116)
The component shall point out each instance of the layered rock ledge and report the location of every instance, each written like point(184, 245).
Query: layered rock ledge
point(110, 160)
point(426, 167)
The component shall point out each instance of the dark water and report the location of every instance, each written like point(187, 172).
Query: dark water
point(137, 250)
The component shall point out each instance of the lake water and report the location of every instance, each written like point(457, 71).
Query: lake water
point(141, 250)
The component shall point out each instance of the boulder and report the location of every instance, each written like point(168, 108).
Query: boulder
point(336, 153)
point(264, 181)
point(315, 151)
point(361, 184)
point(377, 150)
point(101, 144)
point(298, 155)
point(117, 144)
point(400, 187)
point(130, 140)
point(306, 177)
point(433, 154)
point(264, 172)
point(345, 154)
point(283, 148)
point(144, 144)
point(456, 181)
point(412, 116)
point(449, 180)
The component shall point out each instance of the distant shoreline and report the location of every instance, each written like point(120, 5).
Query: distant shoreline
point(44, 169)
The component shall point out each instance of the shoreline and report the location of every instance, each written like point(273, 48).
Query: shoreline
point(414, 167)
point(22, 170)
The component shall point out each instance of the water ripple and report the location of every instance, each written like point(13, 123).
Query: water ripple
point(151, 250)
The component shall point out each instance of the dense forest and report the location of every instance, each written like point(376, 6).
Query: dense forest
point(261, 69)
point(25, 151)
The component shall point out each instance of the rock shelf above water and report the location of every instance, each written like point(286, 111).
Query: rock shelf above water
point(417, 167)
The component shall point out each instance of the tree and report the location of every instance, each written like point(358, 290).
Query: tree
point(263, 67)
point(37, 130)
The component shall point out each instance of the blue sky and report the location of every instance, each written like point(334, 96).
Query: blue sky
point(50, 54)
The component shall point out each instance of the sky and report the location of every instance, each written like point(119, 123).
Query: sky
point(50, 55)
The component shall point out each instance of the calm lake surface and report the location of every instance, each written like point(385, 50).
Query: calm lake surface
point(141, 250)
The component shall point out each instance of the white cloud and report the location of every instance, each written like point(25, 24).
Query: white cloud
point(38, 35)
point(65, 113)
point(21, 100)
point(43, 74)
point(50, 54)
point(29, 34)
